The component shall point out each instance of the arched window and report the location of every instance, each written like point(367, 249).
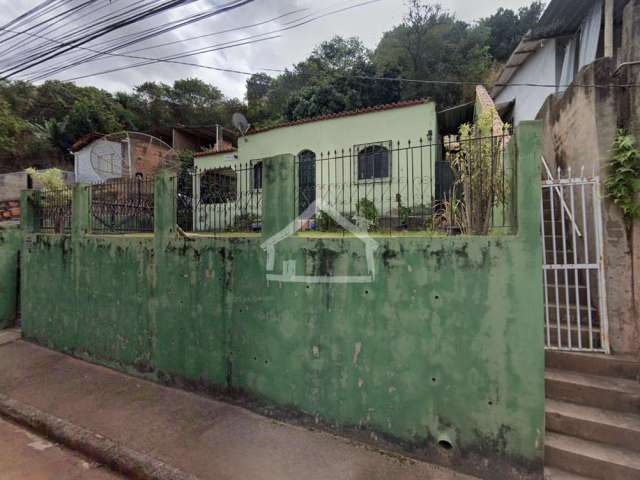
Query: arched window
point(373, 162)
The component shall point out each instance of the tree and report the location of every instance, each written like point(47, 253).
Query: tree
point(12, 128)
point(334, 78)
point(430, 44)
point(258, 86)
point(508, 27)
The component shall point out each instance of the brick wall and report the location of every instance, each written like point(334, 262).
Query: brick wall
point(9, 210)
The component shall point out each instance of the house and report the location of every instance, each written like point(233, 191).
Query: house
point(179, 138)
point(570, 35)
point(383, 155)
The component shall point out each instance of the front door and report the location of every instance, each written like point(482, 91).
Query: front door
point(306, 180)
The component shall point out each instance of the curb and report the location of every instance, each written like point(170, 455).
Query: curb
point(124, 460)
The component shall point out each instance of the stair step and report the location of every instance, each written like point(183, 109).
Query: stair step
point(593, 390)
point(551, 473)
point(594, 364)
point(584, 457)
point(590, 423)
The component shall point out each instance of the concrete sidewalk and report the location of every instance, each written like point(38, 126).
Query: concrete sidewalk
point(199, 436)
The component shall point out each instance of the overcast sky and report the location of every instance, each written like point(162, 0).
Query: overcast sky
point(368, 22)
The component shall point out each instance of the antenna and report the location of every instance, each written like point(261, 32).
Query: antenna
point(240, 122)
point(125, 154)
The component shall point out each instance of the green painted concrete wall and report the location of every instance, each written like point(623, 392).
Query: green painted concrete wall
point(446, 343)
point(10, 241)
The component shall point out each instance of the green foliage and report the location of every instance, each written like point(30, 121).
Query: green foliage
point(326, 223)
point(479, 170)
point(51, 179)
point(12, 128)
point(623, 178)
point(185, 181)
point(508, 27)
point(431, 44)
point(43, 121)
point(245, 222)
point(366, 209)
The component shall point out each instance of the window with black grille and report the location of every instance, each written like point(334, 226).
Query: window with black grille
point(374, 162)
point(218, 186)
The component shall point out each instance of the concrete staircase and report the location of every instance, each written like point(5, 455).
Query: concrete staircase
point(592, 417)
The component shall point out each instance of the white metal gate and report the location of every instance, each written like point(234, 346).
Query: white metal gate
point(574, 282)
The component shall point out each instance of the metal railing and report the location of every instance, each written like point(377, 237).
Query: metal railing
point(574, 280)
point(220, 200)
point(53, 210)
point(123, 205)
point(450, 186)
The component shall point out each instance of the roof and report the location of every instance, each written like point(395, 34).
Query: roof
point(203, 131)
point(560, 18)
point(206, 153)
point(351, 113)
point(564, 17)
point(85, 140)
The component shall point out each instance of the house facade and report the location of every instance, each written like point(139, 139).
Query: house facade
point(383, 156)
point(179, 138)
point(570, 35)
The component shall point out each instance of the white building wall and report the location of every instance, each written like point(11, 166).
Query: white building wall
point(539, 68)
point(85, 173)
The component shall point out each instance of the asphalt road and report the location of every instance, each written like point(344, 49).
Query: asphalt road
point(25, 456)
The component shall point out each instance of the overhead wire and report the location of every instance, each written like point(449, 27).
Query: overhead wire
point(174, 59)
point(147, 34)
point(154, 31)
point(7, 73)
point(289, 26)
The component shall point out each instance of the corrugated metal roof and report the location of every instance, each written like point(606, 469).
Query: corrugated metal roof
point(564, 17)
point(561, 17)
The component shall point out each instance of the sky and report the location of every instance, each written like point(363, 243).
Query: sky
point(368, 22)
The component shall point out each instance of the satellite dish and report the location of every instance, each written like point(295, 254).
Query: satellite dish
point(126, 154)
point(240, 122)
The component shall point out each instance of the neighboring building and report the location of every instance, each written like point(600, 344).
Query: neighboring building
point(570, 35)
point(377, 150)
point(179, 138)
point(11, 184)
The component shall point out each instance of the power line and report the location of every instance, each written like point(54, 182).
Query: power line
point(67, 46)
point(158, 30)
point(174, 60)
point(291, 25)
point(109, 53)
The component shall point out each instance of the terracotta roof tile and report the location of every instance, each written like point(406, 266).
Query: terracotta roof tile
point(351, 113)
point(214, 152)
point(86, 140)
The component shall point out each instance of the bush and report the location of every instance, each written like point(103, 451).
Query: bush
point(366, 209)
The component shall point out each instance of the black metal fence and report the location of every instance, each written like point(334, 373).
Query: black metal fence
point(227, 199)
point(123, 205)
point(53, 210)
point(454, 185)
